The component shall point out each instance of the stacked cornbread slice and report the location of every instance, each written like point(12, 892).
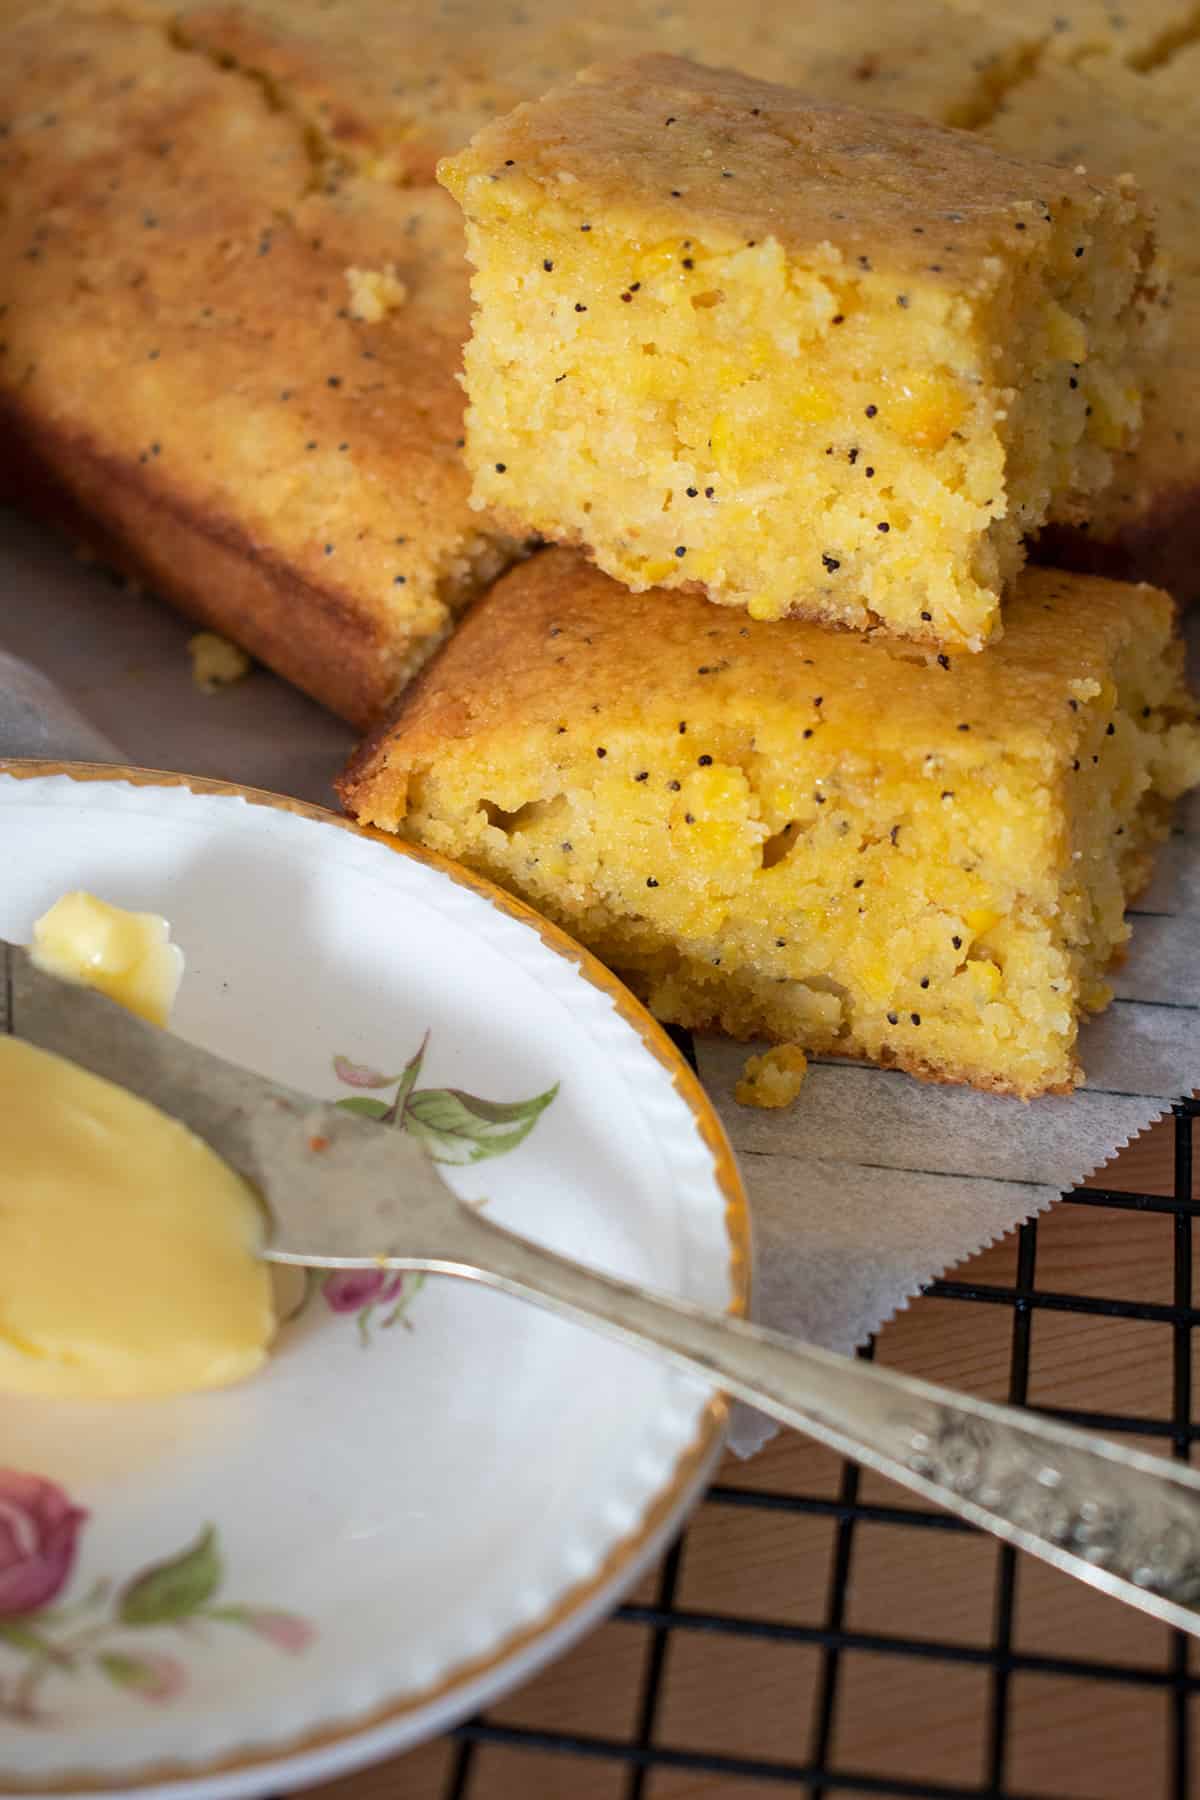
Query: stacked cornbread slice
point(793, 831)
point(915, 853)
point(807, 359)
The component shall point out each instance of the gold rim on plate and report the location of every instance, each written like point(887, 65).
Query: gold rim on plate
point(712, 1424)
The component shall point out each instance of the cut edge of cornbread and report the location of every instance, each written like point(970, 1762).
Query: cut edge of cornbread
point(775, 830)
point(848, 401)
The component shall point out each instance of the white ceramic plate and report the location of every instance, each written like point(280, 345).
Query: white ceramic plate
point(428, 1493)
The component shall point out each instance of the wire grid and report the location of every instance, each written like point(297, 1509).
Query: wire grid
point(642, 1752)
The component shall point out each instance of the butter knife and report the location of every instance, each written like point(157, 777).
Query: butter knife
point(343, 1192)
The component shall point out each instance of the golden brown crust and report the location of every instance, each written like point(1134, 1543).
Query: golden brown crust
point(393, 85)
point(1073, 29)
point(550, 643)
point(655, 147)
point(208, 568)
point(177, 308)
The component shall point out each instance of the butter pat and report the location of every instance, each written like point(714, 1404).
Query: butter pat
point(126, 955)
point(129, 1257)
point(128, 1250)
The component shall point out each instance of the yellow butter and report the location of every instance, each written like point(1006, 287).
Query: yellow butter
point(128, 1250)
point(126, 955)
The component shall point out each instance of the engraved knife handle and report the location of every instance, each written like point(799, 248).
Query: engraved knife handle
point(1124, 1522)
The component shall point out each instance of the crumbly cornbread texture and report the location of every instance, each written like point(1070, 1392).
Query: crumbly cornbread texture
point(814, 836)
point(808, 359)
point(774, 1079)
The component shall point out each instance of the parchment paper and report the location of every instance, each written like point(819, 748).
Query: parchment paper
point(871, 1184)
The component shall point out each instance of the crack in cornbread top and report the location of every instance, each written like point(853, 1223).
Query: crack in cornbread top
point(390, 85)
point(549, 648)
point(648, 143)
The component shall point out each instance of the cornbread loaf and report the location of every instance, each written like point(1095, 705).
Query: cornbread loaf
point(804, 358)
point(182, 369)
point(319, 122)
point(815, 836)
point(392, 86)
point(1114, 120)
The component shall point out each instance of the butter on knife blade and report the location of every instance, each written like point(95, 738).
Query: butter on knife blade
point(338, 1188)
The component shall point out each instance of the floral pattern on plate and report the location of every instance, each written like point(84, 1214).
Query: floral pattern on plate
point(45, 1635)
point(457, 1127)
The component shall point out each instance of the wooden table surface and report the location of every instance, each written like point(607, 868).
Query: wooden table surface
point(917, 1723)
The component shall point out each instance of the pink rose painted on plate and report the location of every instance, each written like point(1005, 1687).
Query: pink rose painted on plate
point(112, 1631)
point(350, 1290)
point(38, 1532)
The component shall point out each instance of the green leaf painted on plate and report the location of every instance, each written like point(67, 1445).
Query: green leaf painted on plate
point(174, 1590)
point(412, 1287)
point(24, 1637)
point(461, 1128)
point(408, 1081)
point(362, 1103)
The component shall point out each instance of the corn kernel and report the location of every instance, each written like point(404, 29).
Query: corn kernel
point(986, 978)
point(1116, 408)
point(656, 569)
point(812, 405)
point(928, 409)
point(764, 606)
point(661, 259)
point(980, 919)
point(1066, 338)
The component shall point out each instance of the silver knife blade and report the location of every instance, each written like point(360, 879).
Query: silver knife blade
point(339, 1190)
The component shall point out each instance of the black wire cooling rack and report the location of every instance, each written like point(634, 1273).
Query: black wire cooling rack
point(638, 1762)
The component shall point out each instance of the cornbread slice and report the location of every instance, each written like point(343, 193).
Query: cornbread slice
point(182, 377)
point(810, 360)
point(810, 835)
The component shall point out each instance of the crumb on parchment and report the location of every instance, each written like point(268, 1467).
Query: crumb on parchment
point(772, 1079)
point(375, 292)
point(215, 661)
